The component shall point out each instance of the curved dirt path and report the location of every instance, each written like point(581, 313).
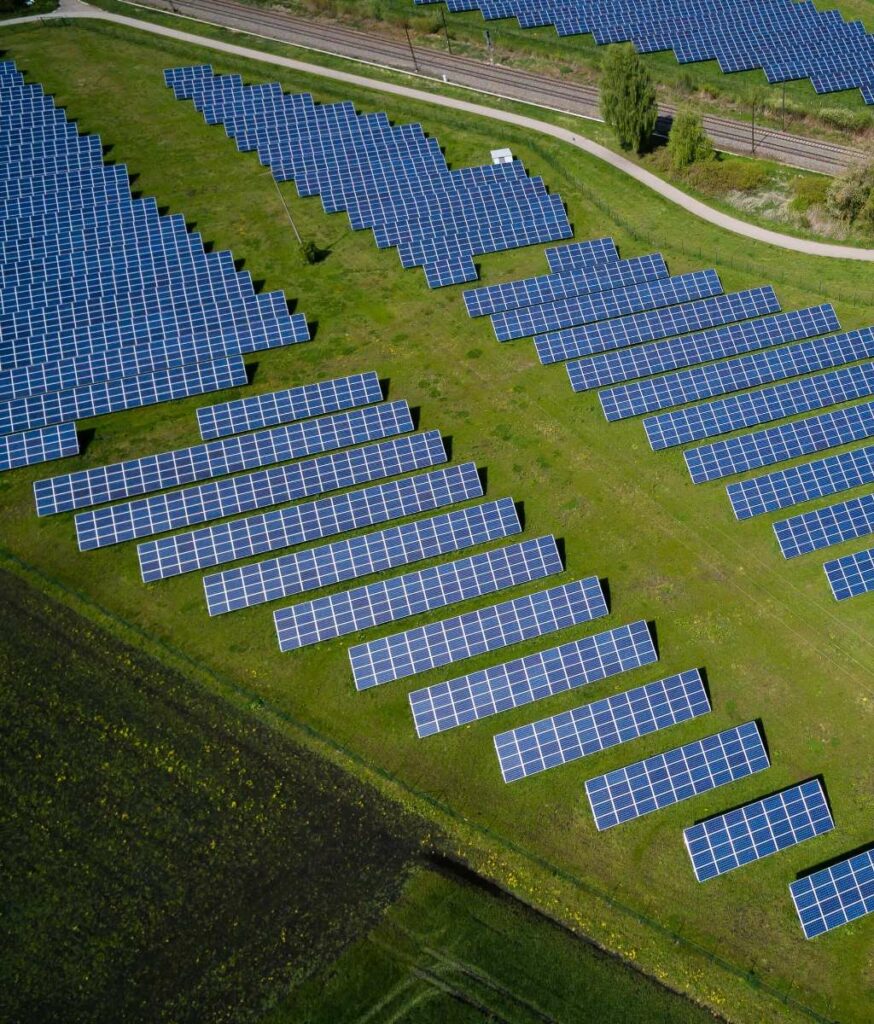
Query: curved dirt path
point(76, 9)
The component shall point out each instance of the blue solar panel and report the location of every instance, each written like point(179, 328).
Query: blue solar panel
point(786, 487)
point(589, 339)
point(217, 458)
point(835, 895)
point(779, 444)
point(413, 593)
point(605, 723)
point(544, 674)
point(315, 520)
point(826, 526)
point(757, 830)
point(733, 339)
point(36, 446)
point(679, 774)
point(488, 629)
point(852, 575)
point(532, 291)
point(735, 374)
point(580, 254)
point(296, 403)
point(726, 414)
point(220, 498)
point(342, 560)
point(584, 309)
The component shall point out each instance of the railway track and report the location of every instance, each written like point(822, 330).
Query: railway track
point(495, 79)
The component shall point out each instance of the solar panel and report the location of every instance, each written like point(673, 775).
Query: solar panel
point(733, 339)
point(544, 674)
point(835, 895)
point(782, 400)
point(779, 444)
point(217, 499)
point(735, 374)
point(342, 560)
point(315, 520)
point(826, 526)
point(296, 403)
point(35, 446)
point(757, 830)
point(217, 458)
point(487, 629)
point(577, 254)
point(116, 396)
point(532, 291)
point(605, 723)
point(679, 774)
point(852, 575)
point(416, 592)
point(584, 309)
point(786, 487)
point(606, 335)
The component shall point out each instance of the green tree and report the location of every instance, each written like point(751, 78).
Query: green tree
point(688, 142)
point(849, 192)
point(628, 100)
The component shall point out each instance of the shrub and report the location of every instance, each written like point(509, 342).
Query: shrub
point(846, 120)
point(688, 142)
point(628, 101)
point(808, 192)
point(849, 192)
point(717, 177)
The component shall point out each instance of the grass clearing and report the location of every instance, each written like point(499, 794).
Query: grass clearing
point(773, 642)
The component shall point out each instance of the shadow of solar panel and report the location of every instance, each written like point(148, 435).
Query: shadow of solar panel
point(413, 593)
point(315, 520)
point(589, 339)
point(586, 730)
point(36, 446)
point(835, 895)
point(757, 830)
point(546, 673)
point(779, 444)
point(343, 560)
point(796, 484)
point(852, 575)
point(296, 403)
point(826, 526)
point(218, 458)
point(677, 775)
point(735, 374)
point(220, 498)
point(488, 629)
point(733, 339)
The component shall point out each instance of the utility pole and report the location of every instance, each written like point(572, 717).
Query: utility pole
point(783, 118)
point(288, 212)
point(488, 36)
point(446, 30)
point(412, 51)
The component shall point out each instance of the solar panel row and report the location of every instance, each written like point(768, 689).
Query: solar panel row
point(823, 527)
point(605, 723)
point(852, 575)
point(835, 895)
point(488, 629)
point(35, 446)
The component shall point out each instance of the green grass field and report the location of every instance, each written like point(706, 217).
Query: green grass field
point(772, 640)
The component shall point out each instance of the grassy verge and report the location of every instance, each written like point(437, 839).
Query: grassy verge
point(773, 642)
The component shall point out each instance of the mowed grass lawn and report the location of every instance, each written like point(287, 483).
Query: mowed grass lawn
point(773, 642)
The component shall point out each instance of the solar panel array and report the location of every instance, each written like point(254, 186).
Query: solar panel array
point(105, 305)
point(314, 520)
point(413, 593)
point(217, 499)
point(544, 674)
point(364, 555)
point(757, 830)
point(836, 895)
point(679, 774)
point(826, 526)
point(286, 406)
point(581, 254)
point(566, 737)
point(785, 39)
point(488, 629)
point(390, 178)
point(852, 575)
point(796, 484)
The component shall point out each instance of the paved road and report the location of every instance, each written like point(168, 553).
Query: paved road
point(495, 80)
point(76, 9)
